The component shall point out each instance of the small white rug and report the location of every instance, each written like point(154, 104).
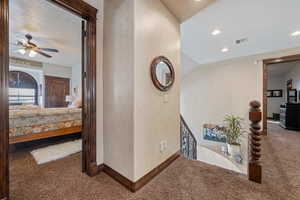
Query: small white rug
point(55, 152)
point(273, 122)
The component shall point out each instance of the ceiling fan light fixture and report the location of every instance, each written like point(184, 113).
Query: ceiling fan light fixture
point(32, 53)
point(22, 51)
point(296, 33)
point(225, 49)
point(216, 32)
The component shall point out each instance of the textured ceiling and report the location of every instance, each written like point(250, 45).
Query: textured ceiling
point(267, 24)
point(50, 26)
point(184, 9)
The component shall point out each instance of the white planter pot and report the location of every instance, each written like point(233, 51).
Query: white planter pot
point(234, 149)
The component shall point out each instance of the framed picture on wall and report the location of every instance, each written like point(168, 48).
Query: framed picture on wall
point(277, 93)
point(274, 93)
point(270, 93)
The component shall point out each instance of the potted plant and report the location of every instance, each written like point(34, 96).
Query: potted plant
point(233, 130)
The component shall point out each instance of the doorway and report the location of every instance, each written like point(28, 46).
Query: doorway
point(87, 13)
point(271, 93)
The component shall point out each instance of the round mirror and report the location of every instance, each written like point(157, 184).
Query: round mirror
point(162, 73)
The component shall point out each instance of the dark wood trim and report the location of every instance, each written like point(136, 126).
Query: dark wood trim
point(119, 177)
point(283, 59)
point(135, 186)
point(254, 166)
point(267, 62)
point(43, 135)
point(265, 99)
point(78, 7)
point(4, 60)
point(89, 100)
point(153, 173)
point(153, 67)
point(89, 13)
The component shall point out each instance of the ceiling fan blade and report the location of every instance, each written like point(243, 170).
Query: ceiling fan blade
point(49, 50)
point(43, 54)
point(20, 43)
point(31, 43)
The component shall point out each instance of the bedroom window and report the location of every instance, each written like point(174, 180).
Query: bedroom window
point(23, 89)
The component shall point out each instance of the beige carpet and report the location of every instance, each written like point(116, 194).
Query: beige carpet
point(183, 180)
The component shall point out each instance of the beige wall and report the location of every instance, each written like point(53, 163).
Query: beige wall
point(184, 10)
point(57, 70)
point(136, 119)
point(212, 91)
point(118, 79)
point(156, 33)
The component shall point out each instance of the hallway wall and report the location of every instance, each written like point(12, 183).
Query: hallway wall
point(157, 32)
point(136, 117)
point(119, 86)
point(214, 90)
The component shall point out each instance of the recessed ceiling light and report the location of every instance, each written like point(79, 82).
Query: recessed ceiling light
point(296, 33)
point(225, 49)
point(216, 32)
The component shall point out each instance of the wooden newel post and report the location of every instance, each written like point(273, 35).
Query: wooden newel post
point(254, 167)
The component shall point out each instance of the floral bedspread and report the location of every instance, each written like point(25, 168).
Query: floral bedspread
point(25, 122)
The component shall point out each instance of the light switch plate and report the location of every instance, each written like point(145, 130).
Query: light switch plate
point(166, 98)
point(162, 146)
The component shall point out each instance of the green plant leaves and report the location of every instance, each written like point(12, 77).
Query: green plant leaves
point(233, 128)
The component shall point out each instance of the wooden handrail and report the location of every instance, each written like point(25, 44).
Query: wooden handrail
point(254, 166)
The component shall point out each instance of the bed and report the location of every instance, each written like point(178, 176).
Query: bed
point(33, 123)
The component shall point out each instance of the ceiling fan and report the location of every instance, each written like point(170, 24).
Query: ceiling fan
point(33, 49)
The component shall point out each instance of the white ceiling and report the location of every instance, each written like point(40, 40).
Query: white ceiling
point(266, 23)
point(187, 8)
point(50, 26)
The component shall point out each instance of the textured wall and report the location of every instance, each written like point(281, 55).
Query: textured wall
point(157, 32)
point(119, 85)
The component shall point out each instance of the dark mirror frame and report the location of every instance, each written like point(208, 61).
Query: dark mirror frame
point(155, 81)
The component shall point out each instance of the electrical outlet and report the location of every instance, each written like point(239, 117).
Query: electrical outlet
point(163, 146)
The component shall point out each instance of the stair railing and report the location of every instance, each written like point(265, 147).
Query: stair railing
point(188, 142)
